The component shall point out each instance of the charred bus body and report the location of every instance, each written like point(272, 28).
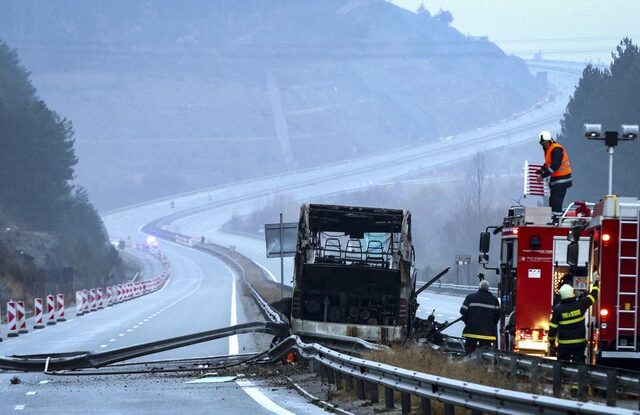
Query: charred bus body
point(354, 273)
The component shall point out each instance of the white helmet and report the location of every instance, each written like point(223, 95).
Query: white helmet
point(545, 136)
point(566, 291)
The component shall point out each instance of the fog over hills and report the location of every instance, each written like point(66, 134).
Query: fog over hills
point(169, 96)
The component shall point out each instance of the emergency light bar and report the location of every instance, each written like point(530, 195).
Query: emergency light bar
point(532, 187)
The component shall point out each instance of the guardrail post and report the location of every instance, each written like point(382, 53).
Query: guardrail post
point(348, 384)
point(449, 409)
point(582, 383)
point(535, 368)
point(405, 402)
point(331, 376)
point(338, 380)
point(426, 406)
point(557, 378)
point(388, 398)
point(612, 387)
point(373, 392)
point(513, 372)
point(360, 388)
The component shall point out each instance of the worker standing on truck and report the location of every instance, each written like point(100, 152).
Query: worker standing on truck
point(558, 166)
point(480, 313)
point(567, 324)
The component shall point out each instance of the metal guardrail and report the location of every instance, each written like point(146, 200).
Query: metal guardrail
point(612, 383)
point(341, 370)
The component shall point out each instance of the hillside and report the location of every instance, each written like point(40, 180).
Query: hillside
point(51, 237)
point(167, 98)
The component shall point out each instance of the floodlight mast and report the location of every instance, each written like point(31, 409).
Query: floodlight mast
point(594, 132)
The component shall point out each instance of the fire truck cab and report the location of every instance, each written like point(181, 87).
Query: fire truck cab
point(533, 265)
point(614, 233)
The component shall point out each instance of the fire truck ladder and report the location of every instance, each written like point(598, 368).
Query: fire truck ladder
point(628, 243)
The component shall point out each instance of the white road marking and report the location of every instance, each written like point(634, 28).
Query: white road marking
point(112, 340)
point(233, 340)
point(19, 407)
point(44, 382)
point(31, 393)
point(121, 334)
point(261, 398)
point(128, 330)
point(104, 345)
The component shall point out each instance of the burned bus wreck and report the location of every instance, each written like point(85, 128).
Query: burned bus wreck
point(354, 273)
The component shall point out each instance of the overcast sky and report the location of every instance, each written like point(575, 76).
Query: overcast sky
point(585, 30)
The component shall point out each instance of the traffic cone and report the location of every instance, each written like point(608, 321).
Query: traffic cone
point(37, 307)
point(60, 307)
point(22, 318)
point(51, 310)
point(12, 320)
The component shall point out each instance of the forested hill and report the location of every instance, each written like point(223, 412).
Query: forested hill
point(609, 97)
point(215, 91)
point(45, 221)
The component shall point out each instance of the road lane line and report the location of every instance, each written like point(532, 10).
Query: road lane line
point(261, 398)
point(44, 382)
point(233, 340)
point(19, 407)
point(31, 393)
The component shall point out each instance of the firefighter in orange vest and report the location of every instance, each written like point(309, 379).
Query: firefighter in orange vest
point(558, 166)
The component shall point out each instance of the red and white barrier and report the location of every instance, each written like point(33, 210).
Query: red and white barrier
point(51, 310)
point(39, 315)
point(79, 303)
point(99, 298)
point(12, 319)
point(60, 307)
point(85, 302)
point(109, 296)
point(93, 298)
point(22, 317)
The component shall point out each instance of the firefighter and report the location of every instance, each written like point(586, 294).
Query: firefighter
point(480, 313)
point(567, 324)
point(558, 166)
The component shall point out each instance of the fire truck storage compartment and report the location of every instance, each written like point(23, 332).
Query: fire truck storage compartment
point(356, 294)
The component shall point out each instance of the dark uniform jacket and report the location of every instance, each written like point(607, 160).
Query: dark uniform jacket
point(480, 313)
point(567, 320)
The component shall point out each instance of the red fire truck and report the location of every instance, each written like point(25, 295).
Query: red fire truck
point(614, 249)
point(533, 265)
point(537, 257)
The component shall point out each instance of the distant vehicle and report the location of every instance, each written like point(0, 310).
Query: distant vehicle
point(354, 273)
point(150, 242)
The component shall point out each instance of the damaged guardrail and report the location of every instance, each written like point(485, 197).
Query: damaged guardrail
point(87, 360)
point(340, 368)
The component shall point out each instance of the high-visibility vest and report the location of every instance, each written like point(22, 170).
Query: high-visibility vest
point(565, 166)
